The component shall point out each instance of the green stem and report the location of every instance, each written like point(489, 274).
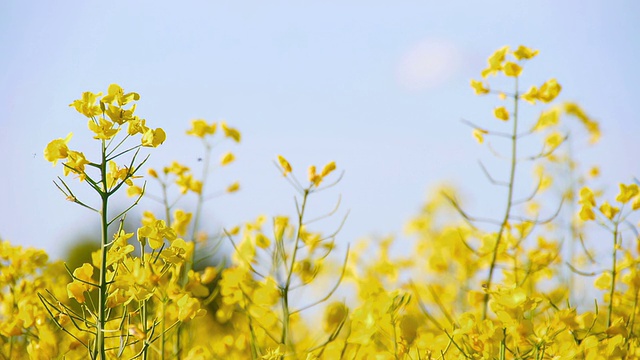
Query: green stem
point(99, 348)
point(613, 274)
point(507, 213)
point(285, 291)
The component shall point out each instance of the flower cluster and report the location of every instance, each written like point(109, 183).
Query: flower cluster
point(520, 283)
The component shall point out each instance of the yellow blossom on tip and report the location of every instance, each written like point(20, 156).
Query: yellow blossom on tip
point(554, 140)
point(103, 129)
point(75, 163)
point(176, 168)
point(313, 177)
point(587, 197)
point(502, 96)
point(327, 169)
point(531, 95)
point(590, 125)
point(512, 69)
point(134, 191)
point(548, 118)
point(549, 91)
point(495, 62)
point(586, 213)
point(233, 187)
point(57, 149)
point(186, 182)
point(262, 241)
point(153, 138)
point(208, 275)
point(627, 192)
point(119, 115)
point(479, 87)
point(609, 211)
point(478, 134)
point(200, 128)
point(115, 93)
point(87, 104)
point(284, 164)
point(152, 173)
point(136, 126)
point(230, 132)
point(75, 290)
point(524, 52)
point(603, 282)
point(501, 113)
point(116, 173)
point(227, 159)
point(594, 171)
point(181, 220)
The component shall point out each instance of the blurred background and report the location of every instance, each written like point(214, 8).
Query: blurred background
point(379, 88)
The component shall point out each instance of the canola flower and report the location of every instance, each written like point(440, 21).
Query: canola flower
point(474, 287)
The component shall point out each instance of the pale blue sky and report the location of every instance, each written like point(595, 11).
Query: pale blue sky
point(378, 88)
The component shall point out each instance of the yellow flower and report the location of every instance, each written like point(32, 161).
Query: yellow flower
point(262, 241)
point(227, 158)
point(524, 52)
point(554, 140)
point(57, 149)
point(587, 197)
point(548, 118)
point(75, 290)
point(230, 132)
point(116, 173)
point(200, 128)
point(186, 182)
point(75, 163)
point(153, 138)
point(103, 129)
point(327, 169)
point(82, 279)
point(586, 213)
point(549, 90)
point(119, 115)
point(175, 168)
point(316, 179)
point(208, 275)
point(137, 126)
point(181, 221)
point(87, 104)
point(627, 192)
point(592, 126)
point(334, 315)
point(603, 282)
point(609, 211)
point(284, 164)
point(479, 88)
point(233, 187)
point(495, 62)
point(531, 95)
point(189, 308)
point(501, 113)
point(479, 135)
point(116, 93)
point(512, 69)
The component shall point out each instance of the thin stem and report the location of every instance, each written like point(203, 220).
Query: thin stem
point(613, 274)
point(507, 213)
point(99, 349)
point(285, 291)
